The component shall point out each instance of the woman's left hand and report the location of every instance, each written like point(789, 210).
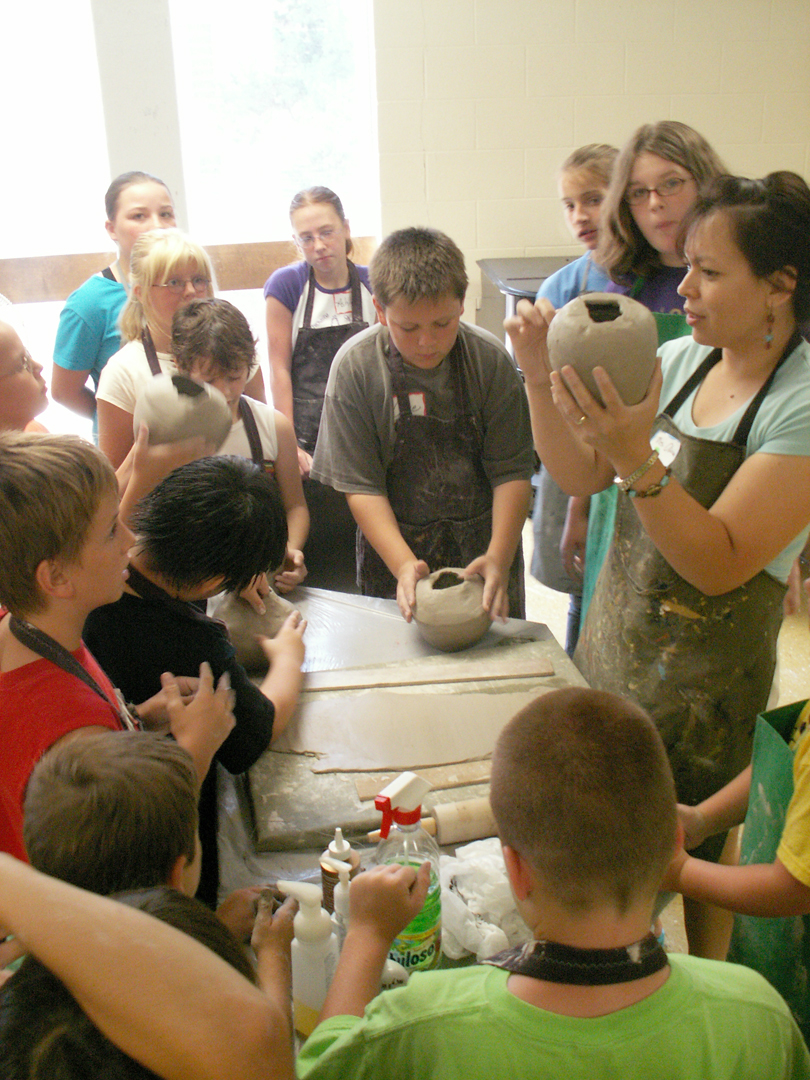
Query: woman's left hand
point(619, 432)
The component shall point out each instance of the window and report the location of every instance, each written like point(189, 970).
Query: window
point(272, 98)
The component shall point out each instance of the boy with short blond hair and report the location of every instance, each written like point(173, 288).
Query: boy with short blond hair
point(425, 429)
point(584, 801)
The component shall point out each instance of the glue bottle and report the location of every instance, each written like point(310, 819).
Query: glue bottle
point(340, 915)
point(314, 954)
point(418, 946)
point(339, 849)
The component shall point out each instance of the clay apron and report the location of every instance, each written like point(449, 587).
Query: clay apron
point(702, 666)
point(437, 488)
point(315, 349)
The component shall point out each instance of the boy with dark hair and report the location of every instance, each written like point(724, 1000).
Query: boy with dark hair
point(584, 801)
point(425, 429)
point(63, 551)
point(213, 524)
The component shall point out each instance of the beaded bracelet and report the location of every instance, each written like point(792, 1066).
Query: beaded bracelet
point(653, 489)
point(627, 483)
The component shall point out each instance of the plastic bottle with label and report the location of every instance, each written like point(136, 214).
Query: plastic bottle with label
point(340, 849)
point(403, 840)
point(314, 954)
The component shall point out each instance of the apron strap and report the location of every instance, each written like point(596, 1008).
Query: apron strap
point(252, 431)
point(150, 350)
point(50, 649)
point(740, 437)
point(357, 301)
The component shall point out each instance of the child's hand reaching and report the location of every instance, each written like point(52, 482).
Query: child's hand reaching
point(255, 592)
point(292, 572)
point(203, 725)
point(694, 826)
point(384, 899)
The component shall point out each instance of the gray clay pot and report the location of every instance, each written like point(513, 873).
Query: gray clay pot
point(610, 331)
point(175, 407)
point(244, 624)
point(448, 610)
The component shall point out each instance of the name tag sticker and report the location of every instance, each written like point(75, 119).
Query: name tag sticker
point(667, 446)
point(416, 399)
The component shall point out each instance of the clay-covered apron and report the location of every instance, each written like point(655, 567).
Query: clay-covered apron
point(438, 489)
point(702, 666)
point(315, 349)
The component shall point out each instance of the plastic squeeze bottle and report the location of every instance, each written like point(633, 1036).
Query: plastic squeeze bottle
point(340, 849)
point(314, 954)
point(403, 840)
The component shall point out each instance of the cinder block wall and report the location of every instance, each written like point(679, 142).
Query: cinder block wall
point(479, 101)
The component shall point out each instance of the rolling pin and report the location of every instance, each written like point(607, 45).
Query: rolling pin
point(455, 823)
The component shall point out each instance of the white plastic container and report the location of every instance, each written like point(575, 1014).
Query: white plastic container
point(403, 840)
point(314, 954)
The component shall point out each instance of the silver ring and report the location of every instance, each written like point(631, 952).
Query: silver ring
point(581, 420)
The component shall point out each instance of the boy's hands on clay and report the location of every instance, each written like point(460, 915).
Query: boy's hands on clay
point(496, 579)
point(288, 643)
point(384, 899)
point(204, 724)
point(255, 592)
point(528, 330)
point(292, 572)
point(409, 573)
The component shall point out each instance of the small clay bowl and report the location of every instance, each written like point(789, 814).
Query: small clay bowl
point(448, 610)
point(175, 407)
point(244, 623)
point(606, 330)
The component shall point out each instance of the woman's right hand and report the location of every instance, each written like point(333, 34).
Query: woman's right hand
point(528, 330)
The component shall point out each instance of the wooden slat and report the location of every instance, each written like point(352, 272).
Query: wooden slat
point(237, 266)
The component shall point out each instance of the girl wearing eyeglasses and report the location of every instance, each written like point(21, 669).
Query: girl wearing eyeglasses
point(167, 270)
point(313, 306)
point(655, 182)
point(88, 333)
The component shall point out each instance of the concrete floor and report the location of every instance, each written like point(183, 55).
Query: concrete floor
point(550, 607)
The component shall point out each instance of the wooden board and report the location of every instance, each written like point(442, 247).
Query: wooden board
point(390, 731)
point(440, 777)
point(505, 665)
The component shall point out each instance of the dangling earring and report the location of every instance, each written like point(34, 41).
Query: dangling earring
point(770, 319)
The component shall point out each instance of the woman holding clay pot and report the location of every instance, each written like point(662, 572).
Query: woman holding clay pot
point(713, 470)
point(313, 306)
point(88, 332)
point(655, 181)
